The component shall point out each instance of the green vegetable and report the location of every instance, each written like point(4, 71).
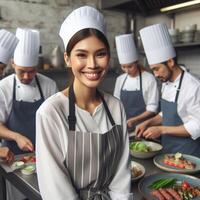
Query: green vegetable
point(139, 146)
point(163, 183)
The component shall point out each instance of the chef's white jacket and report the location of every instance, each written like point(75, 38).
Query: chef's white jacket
point(52, 141)
point(188, 101)
point(24, 92)
point(149, 86)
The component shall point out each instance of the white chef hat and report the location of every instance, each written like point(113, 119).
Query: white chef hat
point(81, 18)
point(8, 42)
point(27, 51)
point(157, 43)
point(126, 49)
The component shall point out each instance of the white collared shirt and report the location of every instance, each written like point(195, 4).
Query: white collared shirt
point(188, 101)
point(24, 92)
point(52, 145)
point(149, 88)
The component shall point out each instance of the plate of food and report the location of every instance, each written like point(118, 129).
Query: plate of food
point(28, 169)
point(137, 171)
point(165, 186)
point(178, 163)
point(144, 149)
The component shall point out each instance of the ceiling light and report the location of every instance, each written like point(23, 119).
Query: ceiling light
point(181, 5)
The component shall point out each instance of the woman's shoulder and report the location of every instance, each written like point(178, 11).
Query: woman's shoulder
point(112, 101)
point(55, 103)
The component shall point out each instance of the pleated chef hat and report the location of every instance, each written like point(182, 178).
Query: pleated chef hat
point(126, 49)
point(27, 51)
point(157, 43)
point(8, 42)
point(81, 18)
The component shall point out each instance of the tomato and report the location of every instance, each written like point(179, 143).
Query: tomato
point(185, 185)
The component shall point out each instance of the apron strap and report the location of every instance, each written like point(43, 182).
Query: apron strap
point(179, 87)
point(140, 75)
point(124, 82)
point(72, 116)
point(14, 85)
point(39, 87)
point(37, 82)
point(107, 109)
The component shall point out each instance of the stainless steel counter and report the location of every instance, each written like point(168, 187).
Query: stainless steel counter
point(29, 187)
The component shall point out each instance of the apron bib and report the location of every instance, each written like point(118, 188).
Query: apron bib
point(22, 118)
point(92, 159)
point(133, 101)
point(174, 144)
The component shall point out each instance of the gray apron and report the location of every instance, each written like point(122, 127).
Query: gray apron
point(92, 159)
point(133, 101)
point(173, 144)
point(22, 118)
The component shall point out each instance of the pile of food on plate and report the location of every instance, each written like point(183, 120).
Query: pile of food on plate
point(139, 146)
point(178, 160)
point(135, 171)
point(170, 188)
point(26, 164)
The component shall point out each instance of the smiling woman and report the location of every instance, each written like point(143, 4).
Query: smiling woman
point(81, 131)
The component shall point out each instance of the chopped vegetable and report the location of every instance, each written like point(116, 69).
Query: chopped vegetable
point(139, 146)
point(163, 183)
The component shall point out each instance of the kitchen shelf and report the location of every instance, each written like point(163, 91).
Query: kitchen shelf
point(179, 46)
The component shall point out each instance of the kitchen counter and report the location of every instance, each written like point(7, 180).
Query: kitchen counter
point(29, 187)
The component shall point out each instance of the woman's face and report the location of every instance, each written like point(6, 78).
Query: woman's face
point(89, 61)
point(130, 69)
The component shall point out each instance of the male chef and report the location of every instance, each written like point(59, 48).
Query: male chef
point(178, 124)
point(8, 42)
point(22, 93)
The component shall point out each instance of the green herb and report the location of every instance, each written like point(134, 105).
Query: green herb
point(163, 183)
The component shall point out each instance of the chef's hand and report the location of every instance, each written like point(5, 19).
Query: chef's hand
point(131, 122)
point(153, 132)
point(24, 143)
point(6, 154)
point(140, 128)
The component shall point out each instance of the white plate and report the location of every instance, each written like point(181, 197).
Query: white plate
point(139, 167)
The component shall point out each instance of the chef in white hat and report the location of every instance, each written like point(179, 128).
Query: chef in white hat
point(178, 124)
point(8, 42)
point(136, 88)
point(81, 132)
point(22, 93)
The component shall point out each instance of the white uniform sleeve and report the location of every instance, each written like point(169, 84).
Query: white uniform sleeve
point(52, 175)
point(4, 107)
point(193, 109)
point(117, 88)
point(120, 186)
point(152, 96)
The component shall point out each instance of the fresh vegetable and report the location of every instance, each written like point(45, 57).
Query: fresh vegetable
point(185, 185)
point(139, 146)
point(163, 183)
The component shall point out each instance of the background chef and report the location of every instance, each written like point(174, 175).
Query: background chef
point(8, 42)
point(22, 93)
point(136, 87)
point(180, 102)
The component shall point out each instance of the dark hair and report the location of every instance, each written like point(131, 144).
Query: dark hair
point(84, 33)
point(175, 61)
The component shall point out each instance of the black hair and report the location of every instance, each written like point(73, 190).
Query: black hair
point(84, 33)
point(175, 61)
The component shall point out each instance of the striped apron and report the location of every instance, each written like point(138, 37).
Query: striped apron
point(92, 159)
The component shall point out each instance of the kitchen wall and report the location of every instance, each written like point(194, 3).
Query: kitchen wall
point(47, 16)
